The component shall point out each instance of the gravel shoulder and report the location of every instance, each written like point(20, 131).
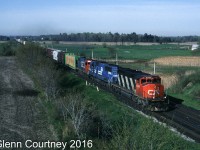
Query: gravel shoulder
point(20, 111)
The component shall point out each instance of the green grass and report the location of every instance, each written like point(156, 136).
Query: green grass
point(8, 48)
point(188, 89)
point(128, 52)
point(187, 100)
point(151, 52)
point(1, 47)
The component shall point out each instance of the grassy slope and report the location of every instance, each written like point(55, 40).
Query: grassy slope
point(1, 47)
point(10, 48)
point(114, 111)
point(188, 89)
point(187, 100)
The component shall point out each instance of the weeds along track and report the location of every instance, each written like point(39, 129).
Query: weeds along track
point(184, 119)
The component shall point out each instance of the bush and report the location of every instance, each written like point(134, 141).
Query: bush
point(188, 84)
point(196, 52)
point(104, 45)
point(8, 49)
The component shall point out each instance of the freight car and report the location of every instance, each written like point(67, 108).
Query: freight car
point(49, 53)
point(71, 60)
point(67, 59)
point(144, 88)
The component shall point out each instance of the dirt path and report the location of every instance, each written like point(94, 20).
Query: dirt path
point(19, 119)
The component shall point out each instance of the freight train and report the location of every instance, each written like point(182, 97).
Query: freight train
point(143, 88)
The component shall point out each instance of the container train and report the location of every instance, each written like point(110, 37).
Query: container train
point(143, 88)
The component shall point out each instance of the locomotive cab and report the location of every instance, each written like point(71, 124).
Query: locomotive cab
point(150, 88)
point(87, 65)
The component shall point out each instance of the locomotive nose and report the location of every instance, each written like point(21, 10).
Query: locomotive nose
point(153, 91)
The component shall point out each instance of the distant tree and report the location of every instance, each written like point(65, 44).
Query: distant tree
point(134, 37)
point(122, 39)
point(116, 37)
point(106, 37)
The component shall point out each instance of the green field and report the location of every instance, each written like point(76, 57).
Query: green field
point(127, 52)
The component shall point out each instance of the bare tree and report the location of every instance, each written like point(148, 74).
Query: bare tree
point(74, 106)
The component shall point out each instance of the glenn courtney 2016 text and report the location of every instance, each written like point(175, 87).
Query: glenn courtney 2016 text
point(32, 144)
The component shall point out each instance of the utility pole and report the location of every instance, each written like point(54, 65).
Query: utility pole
point(116, 59)
point(92, 54)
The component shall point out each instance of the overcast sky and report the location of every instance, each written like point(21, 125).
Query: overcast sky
point(160, 17)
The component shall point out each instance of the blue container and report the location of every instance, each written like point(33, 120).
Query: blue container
point(104, 71)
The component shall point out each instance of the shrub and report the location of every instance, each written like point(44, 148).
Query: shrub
point(8, 49)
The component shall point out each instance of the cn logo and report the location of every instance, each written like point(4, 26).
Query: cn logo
point(151, 92)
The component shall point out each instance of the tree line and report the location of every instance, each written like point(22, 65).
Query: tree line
point(110, 37)
point(4, 38)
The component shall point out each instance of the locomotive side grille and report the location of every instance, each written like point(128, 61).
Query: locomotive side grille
point(122, 80)
point(119, 81)
point(131, 82)
point(127, 83)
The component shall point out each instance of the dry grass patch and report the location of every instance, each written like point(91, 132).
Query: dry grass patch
point(178, 61)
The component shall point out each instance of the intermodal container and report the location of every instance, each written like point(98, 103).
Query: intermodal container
point(71, 60)
point(55, 54)
point(49, 53)
point(61, 57)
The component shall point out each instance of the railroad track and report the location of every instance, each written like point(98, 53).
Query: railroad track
point(184, 119)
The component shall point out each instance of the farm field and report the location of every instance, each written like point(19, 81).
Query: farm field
point(138, 52)
point(178, 61)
